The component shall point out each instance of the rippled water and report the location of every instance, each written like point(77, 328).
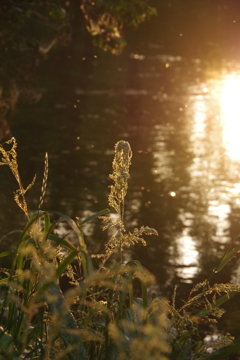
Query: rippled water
point(181, 117)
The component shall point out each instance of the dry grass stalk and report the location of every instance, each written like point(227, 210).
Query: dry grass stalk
point(44, 182)
point(9, 158)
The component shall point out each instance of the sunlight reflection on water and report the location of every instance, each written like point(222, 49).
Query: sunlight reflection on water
point(209, 134)
point(214, 118)
point(187, 257)
point(230, 113)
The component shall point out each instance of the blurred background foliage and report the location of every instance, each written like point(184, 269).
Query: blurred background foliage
point(30, 29)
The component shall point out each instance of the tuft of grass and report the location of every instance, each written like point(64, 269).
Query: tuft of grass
point(100, 317)
point(9, 158)
point(118, 191)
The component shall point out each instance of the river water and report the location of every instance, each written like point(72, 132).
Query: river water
point(181, 117)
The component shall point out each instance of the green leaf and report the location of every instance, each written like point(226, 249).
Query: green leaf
point(28, 13)
point(76, 228)
point(6, 253)
point(152, 11)
point(60, 241)
point(143, 284)
point(94, 216)
point(46, 223)
point(203, 313)
point(35, 216)
point(85, 258)
point(10, 233)
point(3, 281)
point(7, 345)
point(19, 257)
point(129, 315)
point(226, 258)
point(130, 289)
point(86, 263)
point(65, 263)
point(120, 306)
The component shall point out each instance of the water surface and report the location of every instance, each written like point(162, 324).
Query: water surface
point(181, 117)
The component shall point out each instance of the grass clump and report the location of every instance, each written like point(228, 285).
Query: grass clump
point(100, 317)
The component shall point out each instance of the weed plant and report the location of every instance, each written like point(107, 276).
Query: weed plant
point(100, 317)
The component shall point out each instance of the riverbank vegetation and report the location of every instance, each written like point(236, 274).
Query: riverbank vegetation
point(108, 309)
point(29, 30)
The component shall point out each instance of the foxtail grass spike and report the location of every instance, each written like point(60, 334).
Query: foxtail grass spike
point(44, 182)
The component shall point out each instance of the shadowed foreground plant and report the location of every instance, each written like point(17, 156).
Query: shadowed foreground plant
point(38, 321)
point(100, 317)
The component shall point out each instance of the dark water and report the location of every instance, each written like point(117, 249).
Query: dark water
point(179, 113)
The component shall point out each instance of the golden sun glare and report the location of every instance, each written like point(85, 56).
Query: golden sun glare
point(230, 114)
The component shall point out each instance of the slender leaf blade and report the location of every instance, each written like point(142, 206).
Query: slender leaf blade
point(65, 263)
point(204, 312)
point(60, 241)
point(94, 216)
point(226, 258)
point(6, 253)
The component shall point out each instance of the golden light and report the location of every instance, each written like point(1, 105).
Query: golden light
point(230, 114)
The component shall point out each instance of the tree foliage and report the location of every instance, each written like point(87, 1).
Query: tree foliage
point(105, 20)
point(29, 29)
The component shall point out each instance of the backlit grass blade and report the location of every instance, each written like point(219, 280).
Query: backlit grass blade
point(60, 241)
point(143, 284)
point(86, 263)
point(46, 222)
point(18, 259)
point(35, 216)
point(22, 240)
point(6, 253)
point(5, 280)
point(85, 259)
point(9, 234)
point(130, 289)
point(226, 258)
point(94, 216)
point(90, 314)
point(65, 263)
point(204, 312)
point(76, 228)
point(121, 303)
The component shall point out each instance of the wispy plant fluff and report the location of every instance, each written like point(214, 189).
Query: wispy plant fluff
point(102, 316)
point(203, 304)
point(37, 321)
point(151, 324)
point(9, 158)
point(121, 164)
point(120, 175)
